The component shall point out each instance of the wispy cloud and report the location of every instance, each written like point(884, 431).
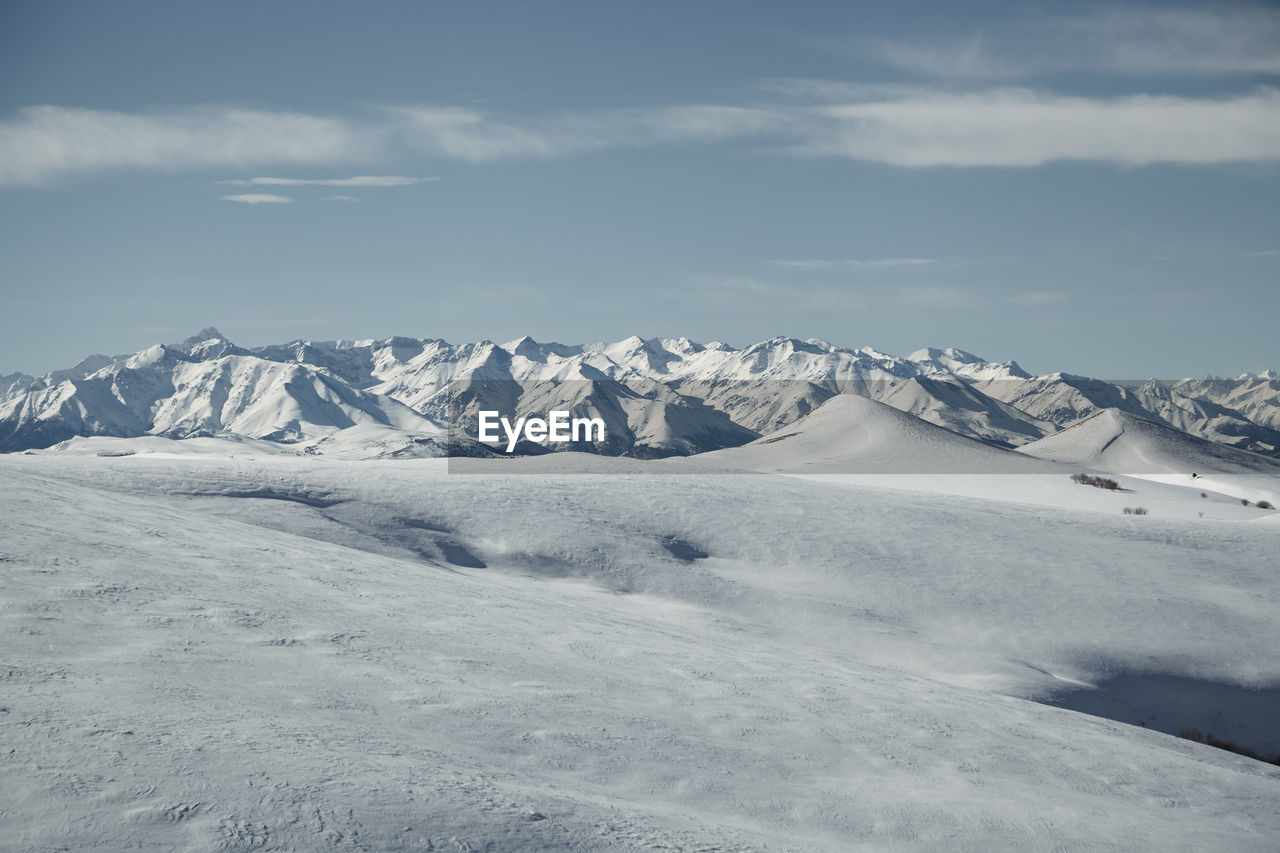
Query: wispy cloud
point(258, 198)
point(1038, 298)
point(477, 137)
point(39, 144)
point(918, 127)
point(1152, 297)
point(802, 89)
point(808, 265)
point(357, 181)
point(1225, 39)
point(1134, 40)
point(812, 264)
point(339, 198)
point(1022, 128)
point(881, 263)
point(967, 57)
point(1269, 253)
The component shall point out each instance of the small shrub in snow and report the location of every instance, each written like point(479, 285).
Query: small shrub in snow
point(1135, 510)
point(1099, 482)
point(1204, 494)
point(1265, 505)
point(1244, 502)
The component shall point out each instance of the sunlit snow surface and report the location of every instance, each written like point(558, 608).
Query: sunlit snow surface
point(234, 650)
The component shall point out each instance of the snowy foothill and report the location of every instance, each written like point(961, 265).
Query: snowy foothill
point(853, 434)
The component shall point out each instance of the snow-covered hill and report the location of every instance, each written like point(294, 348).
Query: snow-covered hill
point(291, 653)
point(1063, 399)
point(659, 397)
point(1119, 442)
point(851, 434)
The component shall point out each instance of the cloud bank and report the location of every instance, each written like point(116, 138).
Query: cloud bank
point(357, 181)
point(904, 127)
point(1021, 128)
point(258, 198)
point(856, 264)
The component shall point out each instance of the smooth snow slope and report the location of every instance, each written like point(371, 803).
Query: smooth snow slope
point(1122, 443)
point(288, 653)
point(849, 434)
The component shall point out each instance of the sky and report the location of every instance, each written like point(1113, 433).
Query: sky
point(1086, 188)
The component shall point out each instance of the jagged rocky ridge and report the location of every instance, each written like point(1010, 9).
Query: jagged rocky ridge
point(658, 397)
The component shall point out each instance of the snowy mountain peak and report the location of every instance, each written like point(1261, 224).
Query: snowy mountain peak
point(681, 346)
point(208, 333)
point(525, 346)
point(14, 384)
point(537, 351)
point(812, 345)
point(206, 344)
point(1154, 386)
point(966, 365)
point(926, 354)
point(1016, 369)
point(947, 353)
point(150, 357)
point(201, 340)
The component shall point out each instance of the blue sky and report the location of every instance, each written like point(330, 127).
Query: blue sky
point(1085, 188)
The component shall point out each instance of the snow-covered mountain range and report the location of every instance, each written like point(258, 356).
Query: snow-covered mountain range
point(658, 397)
